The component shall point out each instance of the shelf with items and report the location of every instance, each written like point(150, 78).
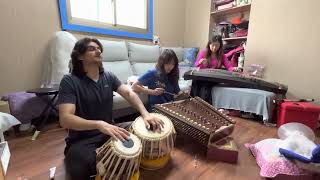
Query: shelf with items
point(230, 19)
point(235, 38)
point(231, 22)
point(236, 9)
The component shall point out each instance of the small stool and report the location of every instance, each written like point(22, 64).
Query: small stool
point(50, 106)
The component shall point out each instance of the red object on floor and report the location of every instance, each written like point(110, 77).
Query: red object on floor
point(301, 112)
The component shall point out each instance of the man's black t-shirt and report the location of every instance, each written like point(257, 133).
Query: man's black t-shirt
point(93, 100)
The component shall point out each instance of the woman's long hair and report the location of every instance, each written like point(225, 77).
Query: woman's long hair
point(219, 52)
point(166, 57)
point(79, 49)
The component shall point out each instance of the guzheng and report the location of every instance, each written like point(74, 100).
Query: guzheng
point(234, 79)
point(197, 119)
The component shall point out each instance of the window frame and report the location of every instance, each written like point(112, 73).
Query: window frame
point(118, 30)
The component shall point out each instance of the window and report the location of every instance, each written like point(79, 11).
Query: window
point(126, 18)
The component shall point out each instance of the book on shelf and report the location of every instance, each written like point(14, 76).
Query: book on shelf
point(225, 6)
point(222, 2)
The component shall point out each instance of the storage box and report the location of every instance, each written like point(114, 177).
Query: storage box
point(4, 158)
point(224, 150)
point(4, 107)
point(301, 112)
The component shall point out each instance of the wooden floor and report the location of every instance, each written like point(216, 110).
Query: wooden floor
point(32, 159)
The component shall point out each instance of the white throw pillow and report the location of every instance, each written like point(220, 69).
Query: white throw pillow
point(57, 63)
point(7, 121)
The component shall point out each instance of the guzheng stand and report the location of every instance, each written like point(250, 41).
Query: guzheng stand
point(52, 94)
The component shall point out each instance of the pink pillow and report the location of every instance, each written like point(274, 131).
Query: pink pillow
point(271, 162)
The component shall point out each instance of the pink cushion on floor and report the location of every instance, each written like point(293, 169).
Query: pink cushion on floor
point(270, 161)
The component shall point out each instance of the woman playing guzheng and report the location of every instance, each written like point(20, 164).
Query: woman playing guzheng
point(85, 109)
point(213, 57)
point(162, 81)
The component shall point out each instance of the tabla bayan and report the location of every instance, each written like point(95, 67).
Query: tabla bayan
point(119, 160)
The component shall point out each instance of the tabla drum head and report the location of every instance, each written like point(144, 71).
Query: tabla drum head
point(129, 148)
point(140, 129)
point(288, 129)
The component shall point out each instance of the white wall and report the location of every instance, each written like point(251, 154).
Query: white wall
point(284, 36)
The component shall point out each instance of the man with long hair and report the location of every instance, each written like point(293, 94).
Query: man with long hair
point(85, 108)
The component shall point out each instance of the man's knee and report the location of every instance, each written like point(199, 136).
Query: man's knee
point(80, 162)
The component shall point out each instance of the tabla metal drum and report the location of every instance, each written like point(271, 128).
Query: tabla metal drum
point(156, 146)
point(118, 160)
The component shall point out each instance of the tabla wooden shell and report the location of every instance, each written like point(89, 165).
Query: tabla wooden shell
point(115, 161)
point(155, 145)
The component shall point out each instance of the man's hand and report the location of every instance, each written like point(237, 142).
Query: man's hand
point(113, 131)
point(153, 123)
point(157, 91)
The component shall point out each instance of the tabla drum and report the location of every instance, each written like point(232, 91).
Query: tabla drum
point(117, 160)
point(156, 146)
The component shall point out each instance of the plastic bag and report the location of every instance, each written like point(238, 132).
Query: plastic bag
point(255, 70)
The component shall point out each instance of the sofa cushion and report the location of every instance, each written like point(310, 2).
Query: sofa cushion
point(190, 55)
point(178, 50)
point(143, 53)
point(122, 69)
point(120, 103)
point(115, 59)
point(114, 50)
point(141, 68)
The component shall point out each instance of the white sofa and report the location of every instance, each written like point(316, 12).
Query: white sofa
point(124, 59)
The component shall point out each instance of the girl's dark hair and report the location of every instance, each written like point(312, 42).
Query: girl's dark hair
point(166, 57)
point(219, 52)
point(79, 49)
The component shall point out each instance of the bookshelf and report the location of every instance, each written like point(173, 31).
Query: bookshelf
point(225, 15)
